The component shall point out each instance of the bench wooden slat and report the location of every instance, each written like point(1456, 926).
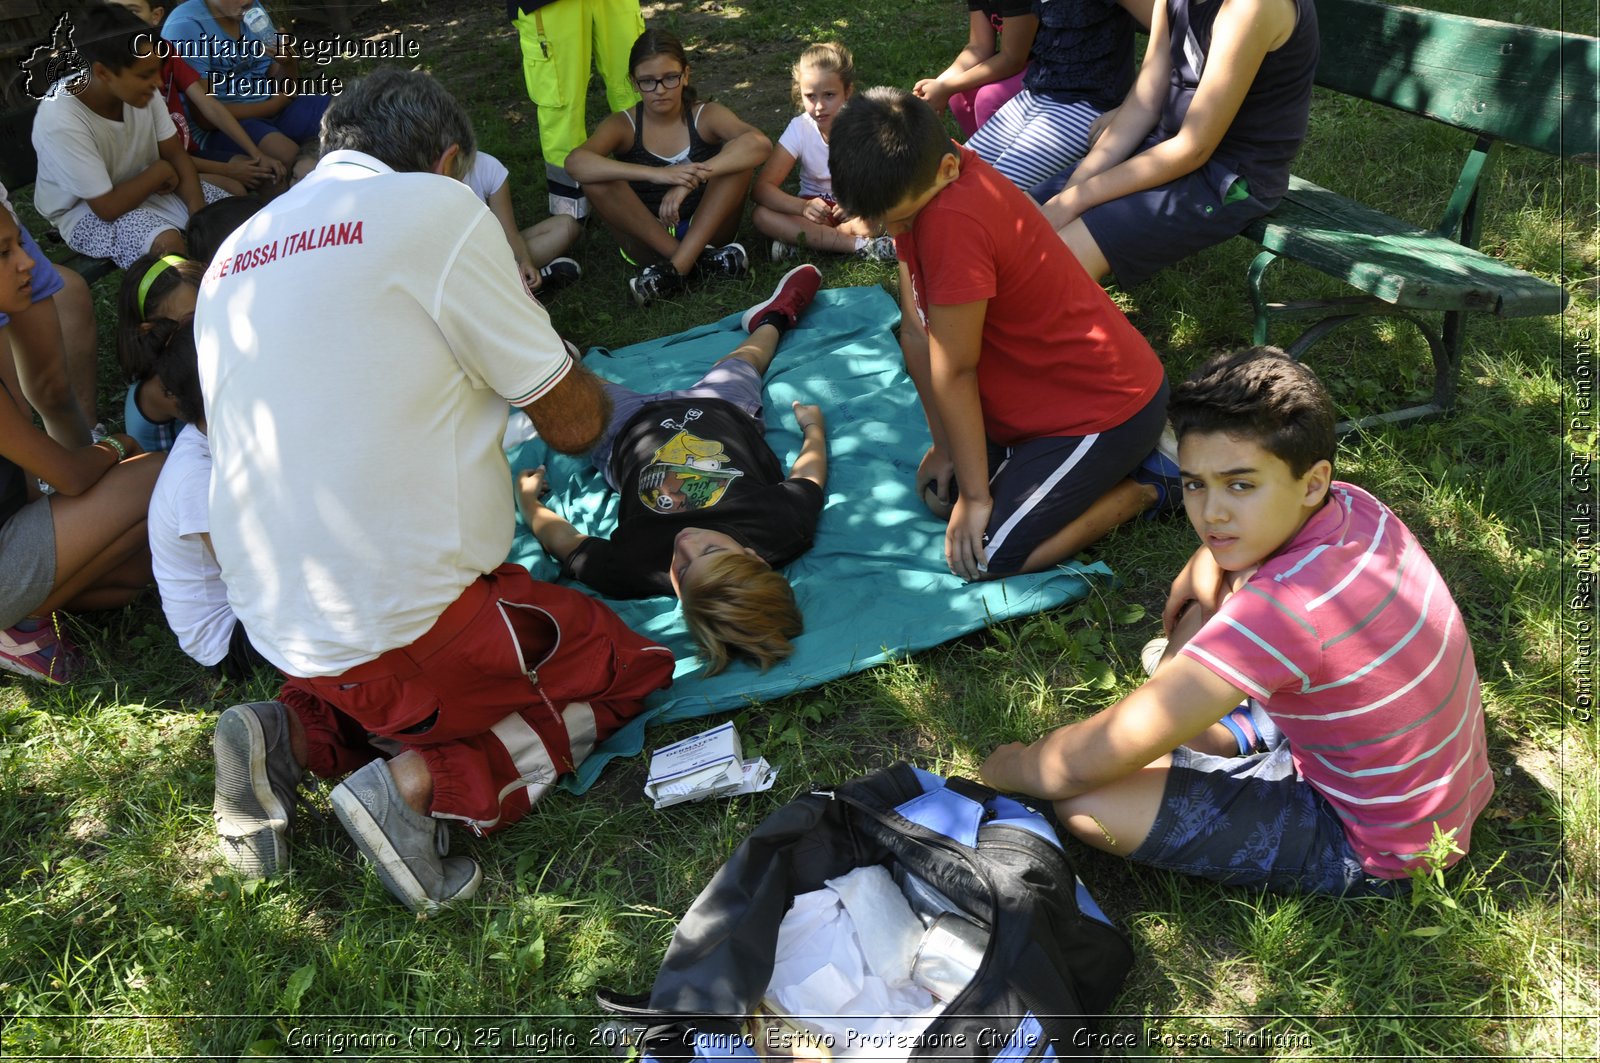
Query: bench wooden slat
point(22, 24)
point(1520, 84)
point(1398, 263)
point(1523, 84)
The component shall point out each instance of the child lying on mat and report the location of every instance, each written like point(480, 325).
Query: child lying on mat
point(706, 511)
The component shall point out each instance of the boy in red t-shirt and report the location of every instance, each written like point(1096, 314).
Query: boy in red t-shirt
point(1041, 398)
point(255, 171)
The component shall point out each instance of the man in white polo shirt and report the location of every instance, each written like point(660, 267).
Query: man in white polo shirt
point(359, 339)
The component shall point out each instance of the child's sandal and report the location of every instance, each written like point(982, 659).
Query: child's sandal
point(1243, 728)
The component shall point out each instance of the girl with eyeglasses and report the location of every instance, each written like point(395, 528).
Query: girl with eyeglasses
point(669, 178)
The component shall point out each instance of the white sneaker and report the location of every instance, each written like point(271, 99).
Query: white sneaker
point(1151, 655)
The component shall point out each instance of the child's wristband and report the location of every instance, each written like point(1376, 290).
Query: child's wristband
point(118, 451)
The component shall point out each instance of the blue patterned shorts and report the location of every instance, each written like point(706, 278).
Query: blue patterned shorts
point(1254, 821)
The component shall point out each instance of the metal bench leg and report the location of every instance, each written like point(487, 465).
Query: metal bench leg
point(1440, 346)
point(1447, 374)
point(1258, 299)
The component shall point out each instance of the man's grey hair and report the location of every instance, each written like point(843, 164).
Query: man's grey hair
point(403, 118)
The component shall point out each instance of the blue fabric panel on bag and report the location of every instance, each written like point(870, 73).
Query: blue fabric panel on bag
point(946, 812)
point(928, 779)
point(1087, 906)
point(1016, 814)
point(1019, 1043)
point(712, 1046)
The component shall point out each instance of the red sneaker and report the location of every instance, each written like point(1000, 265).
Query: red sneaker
point(789, 299)
point(44, 653)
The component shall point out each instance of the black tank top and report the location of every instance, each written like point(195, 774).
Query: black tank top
point(639, 155)
point(13, 481)
point(1267, 132)
point(650, 193)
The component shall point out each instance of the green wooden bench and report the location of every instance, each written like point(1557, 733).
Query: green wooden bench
point(1502, 83)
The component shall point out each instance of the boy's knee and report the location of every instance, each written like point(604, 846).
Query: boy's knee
point(568, 228)
point(1077, 815)
point(1069, 816)
point(279, 147)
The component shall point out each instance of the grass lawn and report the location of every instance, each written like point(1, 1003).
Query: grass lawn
point(121, 935)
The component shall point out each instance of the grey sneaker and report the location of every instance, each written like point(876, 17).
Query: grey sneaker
point(656, 281)
point(877, 249)
point(257, 777)
point(781, 250)
point(407, 848)
point(729, 260)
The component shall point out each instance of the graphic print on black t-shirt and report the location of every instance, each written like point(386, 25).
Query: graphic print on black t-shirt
point(686, 473)
point(693, 463)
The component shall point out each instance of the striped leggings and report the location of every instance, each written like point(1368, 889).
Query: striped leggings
point(1033, 139)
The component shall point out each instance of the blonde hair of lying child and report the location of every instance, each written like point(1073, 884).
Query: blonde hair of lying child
point(737, 605)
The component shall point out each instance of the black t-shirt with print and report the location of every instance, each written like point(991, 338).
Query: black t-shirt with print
point(694, 463)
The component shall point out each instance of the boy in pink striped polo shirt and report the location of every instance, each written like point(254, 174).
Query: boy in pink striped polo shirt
point(1361, 735)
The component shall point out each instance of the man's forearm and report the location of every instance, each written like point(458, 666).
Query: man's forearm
point(571, 416)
